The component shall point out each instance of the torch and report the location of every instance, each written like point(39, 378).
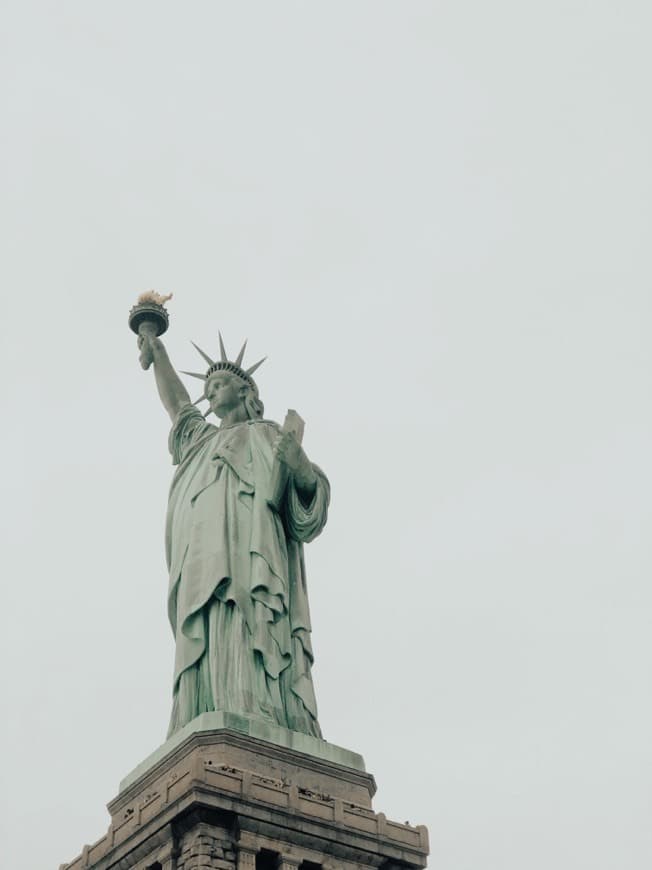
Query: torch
point(149, 319)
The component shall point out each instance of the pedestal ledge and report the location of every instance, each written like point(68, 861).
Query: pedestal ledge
point(264, 749)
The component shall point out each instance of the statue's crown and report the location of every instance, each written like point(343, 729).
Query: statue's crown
point(224, 364)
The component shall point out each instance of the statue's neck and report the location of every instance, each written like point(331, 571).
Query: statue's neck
point(235, 415)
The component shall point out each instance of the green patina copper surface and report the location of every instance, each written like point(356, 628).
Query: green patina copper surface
point(237, 600)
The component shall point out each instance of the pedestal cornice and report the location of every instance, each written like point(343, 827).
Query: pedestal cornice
point(230, 783)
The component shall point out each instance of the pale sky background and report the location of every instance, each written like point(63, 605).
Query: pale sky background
point(435, 218)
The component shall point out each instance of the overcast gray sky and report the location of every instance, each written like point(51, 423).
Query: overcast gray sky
point(434, 217)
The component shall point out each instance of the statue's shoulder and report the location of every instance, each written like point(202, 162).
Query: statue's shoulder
point(267, 429)
point(270, 428)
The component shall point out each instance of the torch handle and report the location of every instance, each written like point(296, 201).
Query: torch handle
point(147, 330)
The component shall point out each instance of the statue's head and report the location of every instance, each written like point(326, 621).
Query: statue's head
point(227, 385)
point(225, 391)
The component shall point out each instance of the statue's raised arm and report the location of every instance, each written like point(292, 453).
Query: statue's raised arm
point(149, 320)
point(237, 599)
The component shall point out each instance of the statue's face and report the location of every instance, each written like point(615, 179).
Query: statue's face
point(224, 393)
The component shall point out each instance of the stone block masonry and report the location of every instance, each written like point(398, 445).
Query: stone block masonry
point(223, 800)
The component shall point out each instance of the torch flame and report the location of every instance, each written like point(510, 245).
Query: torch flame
point(153, 296)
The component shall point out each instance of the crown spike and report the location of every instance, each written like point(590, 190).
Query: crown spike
point(238, 361)
point(253, 368)
point(194, 375)
point(222, 351)
point(210, 411)
point(205, 355)
point(200, 399)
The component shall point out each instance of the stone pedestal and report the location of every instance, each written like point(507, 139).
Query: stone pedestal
point(219, 796)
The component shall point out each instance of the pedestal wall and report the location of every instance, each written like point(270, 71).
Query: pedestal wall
point(223, 800)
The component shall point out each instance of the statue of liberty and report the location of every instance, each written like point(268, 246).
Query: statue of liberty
point(244, 499)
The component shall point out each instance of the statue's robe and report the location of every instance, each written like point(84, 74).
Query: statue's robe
point(237, 600)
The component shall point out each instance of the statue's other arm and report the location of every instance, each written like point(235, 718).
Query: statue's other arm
point(304, 520)
point(288, 450)
point(170, 388)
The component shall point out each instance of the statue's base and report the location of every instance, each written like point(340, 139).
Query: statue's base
point(229, 798)
point(212, 723)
